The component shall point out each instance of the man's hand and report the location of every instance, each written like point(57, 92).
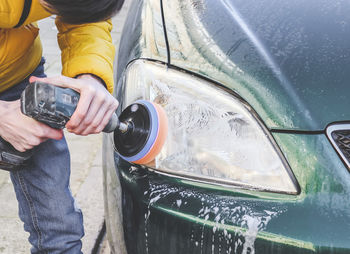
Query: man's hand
point(95, 107)
point(23, 132)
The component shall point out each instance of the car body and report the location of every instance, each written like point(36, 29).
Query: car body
point(257, 156)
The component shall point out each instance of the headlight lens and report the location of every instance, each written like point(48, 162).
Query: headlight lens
point(213, 136)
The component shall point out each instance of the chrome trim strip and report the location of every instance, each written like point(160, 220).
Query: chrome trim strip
point(228, 184)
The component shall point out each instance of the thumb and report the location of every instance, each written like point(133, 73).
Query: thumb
point(51, 132)
point(61, 81)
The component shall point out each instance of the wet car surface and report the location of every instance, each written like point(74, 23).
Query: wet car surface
point(256, 159)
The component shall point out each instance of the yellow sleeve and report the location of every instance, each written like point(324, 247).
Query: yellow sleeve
point(87, 48)
point(11, 11)
point(37, 12)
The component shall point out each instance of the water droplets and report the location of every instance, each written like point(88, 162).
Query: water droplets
point(178, 202)
point(222, 224)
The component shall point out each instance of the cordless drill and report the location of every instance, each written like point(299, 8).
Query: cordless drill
point(48, 104)
point(139, 132)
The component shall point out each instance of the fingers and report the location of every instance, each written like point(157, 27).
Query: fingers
point(40, 133)
point(37, 135)
point(105, 119)
point(100, 120)
point(88, 123)
point(98, 115)
point(82, 111)
point(90, 102)
point(22, 147)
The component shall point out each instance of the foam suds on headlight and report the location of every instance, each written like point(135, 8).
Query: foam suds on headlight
point(213, 135)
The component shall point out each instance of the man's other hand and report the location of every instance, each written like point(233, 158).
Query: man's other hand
point(21, 131)
point(95, 107)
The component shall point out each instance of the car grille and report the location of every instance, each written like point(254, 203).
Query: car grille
point(340, 138)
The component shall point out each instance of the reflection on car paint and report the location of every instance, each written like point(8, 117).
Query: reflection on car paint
point(283, 75)
point(283, 80)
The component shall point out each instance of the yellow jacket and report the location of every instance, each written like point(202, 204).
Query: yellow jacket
point(85, 48)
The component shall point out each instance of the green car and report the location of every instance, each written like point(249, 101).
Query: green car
point(257, 154)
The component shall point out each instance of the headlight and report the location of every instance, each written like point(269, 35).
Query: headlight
point(213, 135)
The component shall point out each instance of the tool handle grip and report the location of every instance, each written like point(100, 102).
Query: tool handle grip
point(113, 124)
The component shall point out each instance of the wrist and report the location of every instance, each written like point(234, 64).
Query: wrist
point(89, 76)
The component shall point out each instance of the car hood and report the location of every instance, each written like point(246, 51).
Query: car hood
point(290, 60)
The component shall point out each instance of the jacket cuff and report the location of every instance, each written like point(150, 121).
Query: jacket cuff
point(95, 66)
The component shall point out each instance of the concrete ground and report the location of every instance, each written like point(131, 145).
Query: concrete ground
point(86, 177)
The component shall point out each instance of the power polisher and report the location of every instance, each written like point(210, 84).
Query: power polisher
point(139, 132)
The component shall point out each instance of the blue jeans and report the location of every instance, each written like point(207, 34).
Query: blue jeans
point(46, 205)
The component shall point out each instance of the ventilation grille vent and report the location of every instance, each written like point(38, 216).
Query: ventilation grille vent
point(340, 138)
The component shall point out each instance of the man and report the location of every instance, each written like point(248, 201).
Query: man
point(46, 205)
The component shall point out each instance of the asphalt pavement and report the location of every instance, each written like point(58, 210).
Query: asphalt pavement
point(86, 156)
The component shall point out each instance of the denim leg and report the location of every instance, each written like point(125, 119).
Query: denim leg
point(46, 205)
